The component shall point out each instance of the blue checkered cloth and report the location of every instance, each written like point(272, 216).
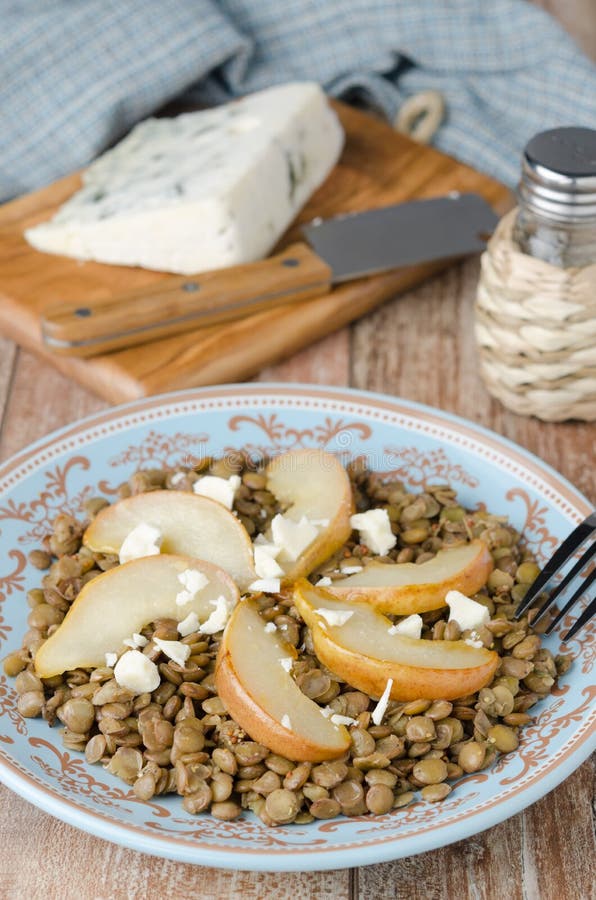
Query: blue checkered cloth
point(75, 75)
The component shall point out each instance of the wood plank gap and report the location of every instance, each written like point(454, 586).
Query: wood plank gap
point(522, 861)
point(354, 883)
point(351, 331)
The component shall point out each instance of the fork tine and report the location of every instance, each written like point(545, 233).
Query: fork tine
point(558, 559)
point(558, 590)
point(587, 614)
point(581, 590)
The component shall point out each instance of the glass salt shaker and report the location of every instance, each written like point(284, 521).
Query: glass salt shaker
point(556, 219)
point(535, 314)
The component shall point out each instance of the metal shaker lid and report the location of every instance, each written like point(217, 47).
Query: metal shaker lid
point(559, 174)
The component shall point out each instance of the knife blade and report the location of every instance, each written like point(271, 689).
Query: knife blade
point(340, 249)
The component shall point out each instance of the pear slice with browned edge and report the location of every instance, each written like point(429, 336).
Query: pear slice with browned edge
point(313, 484)
point(364, 653)
point(190, 525)
point(263, 698)
point(406, 588)
point(120, 602)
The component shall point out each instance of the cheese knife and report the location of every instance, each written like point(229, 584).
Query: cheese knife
point(339, 249)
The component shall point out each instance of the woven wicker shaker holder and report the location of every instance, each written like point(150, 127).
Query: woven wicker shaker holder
point(536, 331)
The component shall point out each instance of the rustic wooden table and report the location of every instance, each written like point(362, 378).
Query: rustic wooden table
point(546, 852)
point(419, 346)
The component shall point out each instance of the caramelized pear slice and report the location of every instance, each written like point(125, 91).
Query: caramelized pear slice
point(112, 607)
point(365, 654)
point(189, 525)
point(313, 484)
point(263, 698)
point(406, 588)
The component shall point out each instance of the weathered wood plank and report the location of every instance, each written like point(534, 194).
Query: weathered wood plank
point(326, 362)
point(559, 859)
point(43, 857)
point(481, 868)
point(41, 399)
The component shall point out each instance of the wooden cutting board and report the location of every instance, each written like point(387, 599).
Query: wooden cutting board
point(378, 167)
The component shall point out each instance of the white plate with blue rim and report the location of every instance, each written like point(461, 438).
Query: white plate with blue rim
point(417, 445)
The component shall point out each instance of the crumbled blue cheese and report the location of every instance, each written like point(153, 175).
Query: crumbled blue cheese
point(174, 650)
point(335, 616)
point(177, 478)
point(285, 721)
point(286, 663)
point(292, 537)
point(270, 627)
point(265, 586)
point(218, 618)
point(221, 489)
point(136, 673)
point(375, 530)
point(143, 540)
point(466, 612)
point(411, 626)
point(192, 582)
point(338, 719)
point(325, 581)
point(473, 640)
point(266, 565)
point(204, 190)
point(111, 660)
point(136, 641)
point(381, 707)
point(350, 570)
point(188, 625)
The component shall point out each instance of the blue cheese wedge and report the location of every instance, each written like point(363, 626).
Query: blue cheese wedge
point(204, 190)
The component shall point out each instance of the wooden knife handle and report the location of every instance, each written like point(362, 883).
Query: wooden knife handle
point(179, 304)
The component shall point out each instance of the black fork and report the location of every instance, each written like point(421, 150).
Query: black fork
point(584, 533)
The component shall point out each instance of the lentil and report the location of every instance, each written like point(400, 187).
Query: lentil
point(505, 739)
point(379, 799)
point(421, 728)
point(282, 806)
point(430, 771)
point(30, 704)
point(350, 796)
point(432, 793)
point(471, 756)
point(77, 714)
point(40, 559)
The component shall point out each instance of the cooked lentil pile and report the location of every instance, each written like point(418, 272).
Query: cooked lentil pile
point(179, 738)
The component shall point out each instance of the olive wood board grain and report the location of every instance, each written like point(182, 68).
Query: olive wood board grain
point(378, 167)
